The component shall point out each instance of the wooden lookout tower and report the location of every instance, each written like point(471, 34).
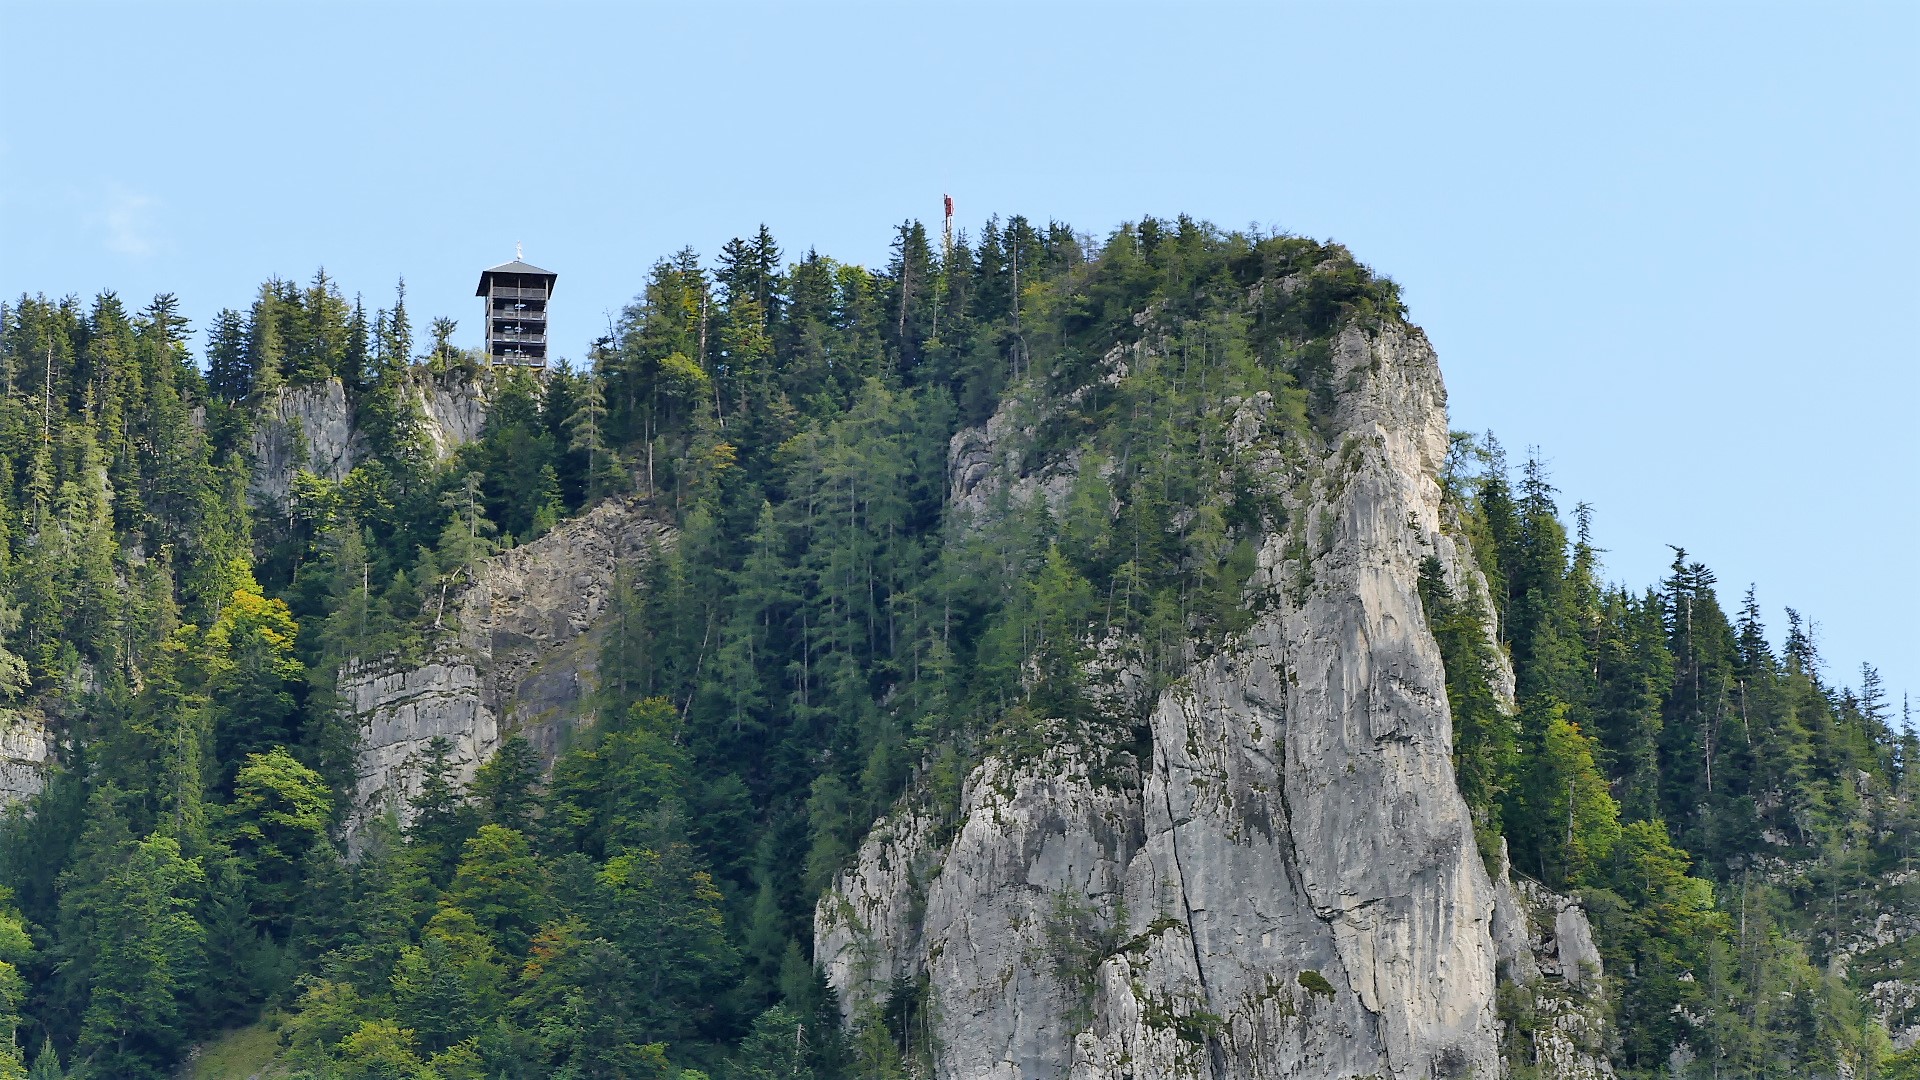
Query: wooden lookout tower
point(517, 296)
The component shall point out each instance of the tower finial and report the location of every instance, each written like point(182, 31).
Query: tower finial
point(516, 251)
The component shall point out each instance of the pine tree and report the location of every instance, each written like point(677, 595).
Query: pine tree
point(585, 436)
point(1484, 737)
point(234, 961)
point(506, 788)
point(278, 816)
point(130, 916)
point(46, 1066)
point(503, 886)
point(442, 352)
point(776, 1048)
point(441, 819)
point(266, 343)
point(913, 274)
point(467, 537)
point(359, 352)
point(254, 676)
point(229, 375)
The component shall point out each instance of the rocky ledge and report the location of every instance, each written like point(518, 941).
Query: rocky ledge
point(520, 660)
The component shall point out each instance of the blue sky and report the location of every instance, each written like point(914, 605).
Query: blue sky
point(1670, 245)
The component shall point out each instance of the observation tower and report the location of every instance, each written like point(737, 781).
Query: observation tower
point(517, 296)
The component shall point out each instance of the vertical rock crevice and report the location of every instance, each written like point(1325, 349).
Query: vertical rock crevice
point(521, 659)
point(1299, 824)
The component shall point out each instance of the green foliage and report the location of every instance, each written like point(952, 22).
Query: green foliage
point(506, 788)
point(380, 1050)
point(130, 941)
point(1485, 741)
point(840, 622)
point(1565, 821)
point(1077, 941)
point(278, 815)
point(1315, 983)
point(1664, 771)
point(253, 676)
point(775, 1049)
point(16, 949)
point(502, 887)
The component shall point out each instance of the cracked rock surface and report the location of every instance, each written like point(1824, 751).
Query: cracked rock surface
point(521, 660)
point(1286, 885)
point(311, 428)
point(25, 751)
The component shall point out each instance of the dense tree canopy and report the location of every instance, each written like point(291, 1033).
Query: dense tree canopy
point(826, 637)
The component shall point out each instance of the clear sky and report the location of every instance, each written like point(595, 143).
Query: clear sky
point(1671, 245)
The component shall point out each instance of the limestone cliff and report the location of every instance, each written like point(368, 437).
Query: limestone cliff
point(1876, 948)
point(26, 747)
point(455, 407)
point(1554, 980)
point(311, 428)
point(520, 659)
point(1286, 884)
point(303, 428)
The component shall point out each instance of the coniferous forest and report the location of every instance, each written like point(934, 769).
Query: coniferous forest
point(821, 640)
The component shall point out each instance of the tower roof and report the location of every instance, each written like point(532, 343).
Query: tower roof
point(514, 267)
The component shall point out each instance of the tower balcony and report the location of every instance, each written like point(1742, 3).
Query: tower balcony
point(516, 296)
point(513, 292)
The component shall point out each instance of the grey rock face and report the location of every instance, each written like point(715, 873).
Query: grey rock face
point(984, 468)
point(521, 659)
point(303, 428)
point(25, 750)
point(399, 711)
point(1870, 950)
point(987, 470)
point(1545, 948)
point(310, 428)
point(456, 409)
point(1288, 885)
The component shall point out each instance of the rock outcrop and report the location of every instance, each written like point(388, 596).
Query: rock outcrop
point(25, 750)
point(456, 409)
point(311, 428)
point(303, 428)
point(1286, 884)
point(1548, 957)
point(1878, 950)
point(521, 658)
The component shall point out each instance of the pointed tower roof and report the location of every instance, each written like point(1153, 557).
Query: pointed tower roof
point(514, 267)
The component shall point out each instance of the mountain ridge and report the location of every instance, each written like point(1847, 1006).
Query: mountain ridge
point(614, 722)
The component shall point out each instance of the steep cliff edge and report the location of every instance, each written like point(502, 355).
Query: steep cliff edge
point(303, 428)
point(312, 428)
point(26, 747)
point(1287, 884)
point(1552, 982)
point(521, 659)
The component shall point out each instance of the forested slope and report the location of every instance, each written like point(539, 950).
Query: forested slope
point(841, 629)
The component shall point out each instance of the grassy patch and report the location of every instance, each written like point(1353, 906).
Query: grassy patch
point(246, 1053)
point(1316, 983)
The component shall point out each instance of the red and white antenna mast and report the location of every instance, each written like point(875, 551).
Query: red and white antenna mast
point(946, 231)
